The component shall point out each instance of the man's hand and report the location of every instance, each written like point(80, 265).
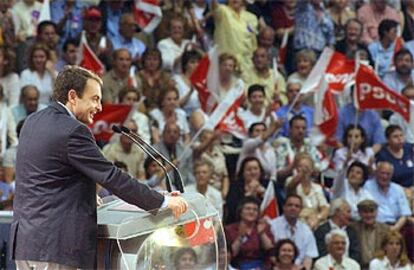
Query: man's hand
point(178, 205)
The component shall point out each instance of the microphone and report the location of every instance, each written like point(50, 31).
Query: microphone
point(180, 184)
point(117, 129)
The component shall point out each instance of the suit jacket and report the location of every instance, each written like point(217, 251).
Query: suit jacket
point(354, 250)
point(58, 164)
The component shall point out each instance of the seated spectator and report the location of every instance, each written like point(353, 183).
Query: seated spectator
point(228, 71)
point(172, 147)
point(289, 111)
point(118, 77)
point(392, 254)
point(315, 207)
point(340, 13)
point(285, 254)
point(130, 96)
point(125, 38)
point(397, 119)
point(25, 19)
point(185, 259)
point(314, 28)
point(289, 226)
point(9, 160)
point(39, 73)
point(371, 15)
point(250, 181)
point(235, 31)
point(351, 42)
point(288, 147)
point(403, 74)
point(273, 83)
point(400, 154)
point(29, 103)
point(202, 170)
point(257, 146)
point(305, 60)
point(367, 119)
point(339, 219)
point(68, 17)
point(8, 78)
point(69, 54)
point(370, 233)
point(250, 237)
point(168, 111)
point(256, 111)
point(209, 149)
point(382, 50)
point(349, 185)
point(172, 47)
point(47, 34)
point(354, 149)
point(154, 173)
point(336, 259)
point(123, 149)
point(152, 79)
point(189, 100)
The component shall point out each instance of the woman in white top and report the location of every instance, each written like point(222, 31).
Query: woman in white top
point(8, 79)
point(188, 96)
point(349, 185)
point(392, 255)
point(40, 72)
point(168, 111)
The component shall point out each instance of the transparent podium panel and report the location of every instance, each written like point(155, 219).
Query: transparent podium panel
point(135, 239)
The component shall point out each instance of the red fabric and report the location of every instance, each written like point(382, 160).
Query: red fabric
point(280, 19)
point(231, 122)
point(199, 81)
point(339, 72)
point(205, 233)
point(372, 93)
point(90, 61)
point(269, 207)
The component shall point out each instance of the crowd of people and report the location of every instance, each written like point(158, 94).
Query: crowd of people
point(343, 205)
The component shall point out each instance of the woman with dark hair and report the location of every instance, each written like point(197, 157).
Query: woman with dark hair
point(400, 154)
point(355, 149)
point(349, 184)
point(188, 97)
point(249, 182)
point(154, 174)
point(152, 79)
point(286, 253)
point(250, 238)
point(40, 72)
point(8, 78)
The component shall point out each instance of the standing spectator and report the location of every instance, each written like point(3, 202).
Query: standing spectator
point(266, 39)
point(371, 15)
point(403, 74)
point(305, 60)
point(408, 13)
point(125, 39)
point(40, 72)
point(228, 71)
point(370, 233)
point(111, 15)
point(235, 31)
point(336, 259)
point(118, 77)
point(25, 17)
point(397, 119)
point(67, 14)
point(47, 34)
point(314, 28)
point(29, 103)
point(172, 47)
point(256, 111)
point(69, 54)
point(288, 226)
point(392, 254)
point(8, 78)
point(340, 13)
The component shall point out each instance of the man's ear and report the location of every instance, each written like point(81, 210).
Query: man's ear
point(72, 96)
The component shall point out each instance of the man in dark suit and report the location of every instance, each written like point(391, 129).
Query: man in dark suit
point(340, 214)
point(58, 166)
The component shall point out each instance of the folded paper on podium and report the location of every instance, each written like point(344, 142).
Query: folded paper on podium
point(131, 238)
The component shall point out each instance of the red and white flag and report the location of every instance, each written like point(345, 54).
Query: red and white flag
point(88, 59)
point(269, 206)
point(372, 93)
point(325, 116)
point(147, 14)
point(205, 79)
point(283, 48)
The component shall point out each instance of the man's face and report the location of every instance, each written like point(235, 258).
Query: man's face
point(368, 217)
point(202, 175)
point(126, 143)
point(345, 215)
point(177, 30)
point(171, 134)
point(89, 104)
point(127, 27)
point(48, 36)
point(404, 64)
point(92, 25)
point(292, 91)
point(122, 61)
point(266, 39)
point(258, 130)
point(261, 59)
point(298, 130)
point(383, 175)
point(337, 246)
point(353, 32)
point(71, 54)
point(257, 99)
point(409, 93)
point(31, 100)
point(292, 208)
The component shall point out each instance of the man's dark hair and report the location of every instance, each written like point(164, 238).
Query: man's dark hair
point(24, 89)
point(72, 77)
point(70, 41)
point(402, 52)
point(252, 126)
point(187, 56)
point(296, 117)
point(255, 88)
point(385, 26)
point(391, 129)
point(41, 26)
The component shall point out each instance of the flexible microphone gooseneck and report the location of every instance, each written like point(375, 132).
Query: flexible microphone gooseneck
point(180, 183)
point(119, 130)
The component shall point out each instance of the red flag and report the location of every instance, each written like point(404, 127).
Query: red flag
point(204, 234)
point(269, 206)
point(372, 93)
point(231, 122)
point(283, 48)
point(111, 114)
point(205, 80)
point(399, 43)
point(88, 59)
point(340, 72)
point(147, 14)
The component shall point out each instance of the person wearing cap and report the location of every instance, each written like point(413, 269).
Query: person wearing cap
point(369, 232)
